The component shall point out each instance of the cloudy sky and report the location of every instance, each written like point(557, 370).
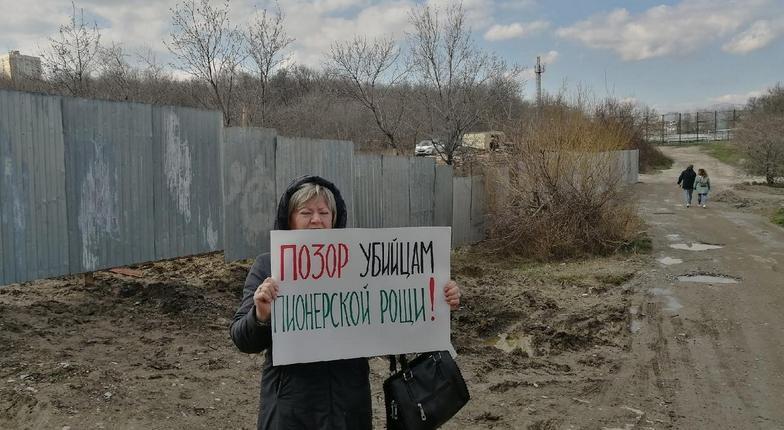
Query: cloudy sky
point(673, 55)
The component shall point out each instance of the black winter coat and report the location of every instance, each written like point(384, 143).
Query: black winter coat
point(686, 179)
point(323, 395)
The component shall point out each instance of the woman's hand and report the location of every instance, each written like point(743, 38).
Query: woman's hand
point(452, 295)
point(263, 297)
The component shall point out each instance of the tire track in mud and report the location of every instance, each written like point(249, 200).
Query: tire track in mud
point(641, 394)
point(661, 364)
point(720, 333)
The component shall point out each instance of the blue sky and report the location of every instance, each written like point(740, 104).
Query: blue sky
point(672, 55)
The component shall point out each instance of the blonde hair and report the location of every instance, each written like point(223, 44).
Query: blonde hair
point(309, 191)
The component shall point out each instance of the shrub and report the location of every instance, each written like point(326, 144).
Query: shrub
point(564, 197)
point(778, 217)
point(761, 135)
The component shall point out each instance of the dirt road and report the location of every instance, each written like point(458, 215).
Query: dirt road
point(710, 354)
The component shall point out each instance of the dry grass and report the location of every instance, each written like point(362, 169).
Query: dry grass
point(564, 197)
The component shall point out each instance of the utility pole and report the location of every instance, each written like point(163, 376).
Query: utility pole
point(539, 70)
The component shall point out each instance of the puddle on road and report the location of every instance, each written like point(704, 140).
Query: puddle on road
point(706, 279)
point(669, 261)
point(695, 246)
point(673, 237)
point(635, 325)
point(509, 342)
point(672, 303)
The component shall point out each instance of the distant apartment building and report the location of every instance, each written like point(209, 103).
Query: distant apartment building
point(17, 66)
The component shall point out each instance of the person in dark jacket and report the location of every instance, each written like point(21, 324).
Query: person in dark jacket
point(686, 181)
point(322, 395)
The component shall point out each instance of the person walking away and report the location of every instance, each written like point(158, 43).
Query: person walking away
point(686, 181)
point(702, 187)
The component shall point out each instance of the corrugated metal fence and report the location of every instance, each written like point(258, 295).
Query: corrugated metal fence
point(87, 185)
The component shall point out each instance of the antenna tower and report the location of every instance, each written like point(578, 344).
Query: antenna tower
point(539, 70)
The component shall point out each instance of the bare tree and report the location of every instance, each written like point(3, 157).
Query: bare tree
point(369, 72)
point(73, 55)
point(117, 76)
point(761, 137)
point(208, 47)
point(266, 44)
point(456, 79)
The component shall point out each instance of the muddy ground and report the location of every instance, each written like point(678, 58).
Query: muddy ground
point(152, 350)
point(615, 343)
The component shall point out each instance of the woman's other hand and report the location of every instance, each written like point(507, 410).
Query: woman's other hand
point(452, 295)
point(263, 297)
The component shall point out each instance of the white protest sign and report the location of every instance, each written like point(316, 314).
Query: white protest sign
point(347, 293)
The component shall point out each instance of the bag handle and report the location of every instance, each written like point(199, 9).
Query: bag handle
point(393, 363)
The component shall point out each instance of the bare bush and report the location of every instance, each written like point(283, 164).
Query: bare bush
point(565, 197)
point(631, 119)
point(761, 135)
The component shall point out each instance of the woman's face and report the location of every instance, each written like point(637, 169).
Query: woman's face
point(313, 214)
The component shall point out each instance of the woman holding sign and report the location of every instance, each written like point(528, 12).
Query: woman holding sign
point(322, 395)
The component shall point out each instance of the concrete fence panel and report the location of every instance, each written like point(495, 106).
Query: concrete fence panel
point(249, 195)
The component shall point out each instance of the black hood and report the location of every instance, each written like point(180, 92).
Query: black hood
point(282, 220)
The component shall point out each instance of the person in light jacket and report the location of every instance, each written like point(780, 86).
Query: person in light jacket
point(326, 395)
point(702, 187)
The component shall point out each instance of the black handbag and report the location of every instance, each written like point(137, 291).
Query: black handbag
point(425, 393)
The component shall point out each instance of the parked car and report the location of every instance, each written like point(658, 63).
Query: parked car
point(428, 147)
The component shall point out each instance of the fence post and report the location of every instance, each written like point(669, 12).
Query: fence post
point(680, 125)
point(715, 124)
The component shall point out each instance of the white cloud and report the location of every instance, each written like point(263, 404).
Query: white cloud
point(549, 57)
point(757, 36)
point(479, 13)
point(515, 30)
point(146, 23)
point(666, 30)
point(515, 5)
point(314, 33)
point(735, 99)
